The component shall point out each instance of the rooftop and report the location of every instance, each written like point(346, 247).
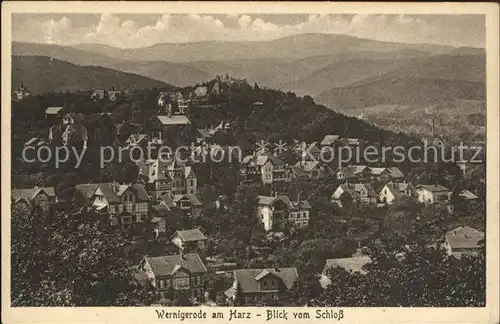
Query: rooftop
point(169, 264)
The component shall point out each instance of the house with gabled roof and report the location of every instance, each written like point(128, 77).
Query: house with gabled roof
point(395, 190)
point(353, 264)
point(54, 112)
point(189, 239)
point(127, 205)
point(311, 169)
point(98, 94)
point(182, 272)
point(307, 152)
point(33, 197)
point(35, 141)
point(270, 169)
point(256, 284)
point(345, 173)
point(168, 177)
point(188, 203)
point(433, 193)
point(395, 174)
point(359, 192)
point(138, 140)
point(329, 140)
point(21, 92)
point(468, 195)
point(464, 240)
point(279, 211)
point(380, 174)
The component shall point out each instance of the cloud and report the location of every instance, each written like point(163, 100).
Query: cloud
point(112, 30)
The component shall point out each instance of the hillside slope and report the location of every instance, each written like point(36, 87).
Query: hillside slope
point(42, 74)
point(422, 81)
point(181, 74)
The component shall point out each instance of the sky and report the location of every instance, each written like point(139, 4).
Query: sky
point(142, 30)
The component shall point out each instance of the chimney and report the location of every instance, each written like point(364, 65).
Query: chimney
point(277, 269)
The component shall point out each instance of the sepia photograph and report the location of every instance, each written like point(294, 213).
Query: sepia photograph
point(249, 158)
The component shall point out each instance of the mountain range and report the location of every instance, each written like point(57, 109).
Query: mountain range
point(344, 73)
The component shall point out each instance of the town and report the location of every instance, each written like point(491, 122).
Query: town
point(273, 227)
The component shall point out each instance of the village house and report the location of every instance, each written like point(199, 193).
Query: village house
point(141, 140)
point(113, 95)
point(380, 174)
point(395, 190)
point(168, 177)
point(34, 141)
point(189, 205)
point(28, 199)
point(307, 152)
point(20, 93)
point(354, 144)
point(311, 170)
point(54, 113)
point(189, 240)
point(463, 241)
point(359, 192)
point(329, 140)
point(159, 225)
point(354, 264)
point(173, 120)
point(256, 284)
point(362, 172)
point(98, 94)
point(468, 196)
point(127, 205)
point(277, 212)
point(432, 194)
point(345, 173)
point(271, 170)
point(396, 175)
point(184, 272)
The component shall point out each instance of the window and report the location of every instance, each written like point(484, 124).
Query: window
point(191, 182)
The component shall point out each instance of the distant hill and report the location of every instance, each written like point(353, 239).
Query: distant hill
point(44, 74)
point(292, 47)
point(427, 80)
point(318, 62)
point(181, 74)
point(342, 73)
point(401, 91)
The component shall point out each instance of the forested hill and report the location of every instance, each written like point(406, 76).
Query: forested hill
point(42, 74)
point(272, 115)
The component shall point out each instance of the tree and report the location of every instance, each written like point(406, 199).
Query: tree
point(435, 279)
point(346, 200)
point(65, 260)
point(305, 290)
point(239, 300)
